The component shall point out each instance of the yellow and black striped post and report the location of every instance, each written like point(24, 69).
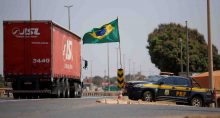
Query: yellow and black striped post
point(120, 78)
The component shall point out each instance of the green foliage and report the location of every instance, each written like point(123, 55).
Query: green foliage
point(164, 49)
point(97, 80)
point(111, 88)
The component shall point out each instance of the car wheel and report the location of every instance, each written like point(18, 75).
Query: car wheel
point(197, 101)
point(147, 96)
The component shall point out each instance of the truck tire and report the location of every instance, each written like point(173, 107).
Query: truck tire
point(63, 93)
point(147, 96)
point(76, 90)
point(72, 93)
point(80, 94)
point(58, 93)
point(67, 90)
point(67, 93)
point(196, 101)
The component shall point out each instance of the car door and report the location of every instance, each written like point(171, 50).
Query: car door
point(181, 88)
point(165, 89)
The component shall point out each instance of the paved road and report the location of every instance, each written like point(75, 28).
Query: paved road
point(88, 108)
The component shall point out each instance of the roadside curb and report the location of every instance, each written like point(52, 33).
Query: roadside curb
point(205, 116)
point(127, 101)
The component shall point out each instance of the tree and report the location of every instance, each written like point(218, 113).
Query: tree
point(164, 49)
point(97, 80)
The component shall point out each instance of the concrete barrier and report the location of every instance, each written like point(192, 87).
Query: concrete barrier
point(97, 93)
point(5, 91)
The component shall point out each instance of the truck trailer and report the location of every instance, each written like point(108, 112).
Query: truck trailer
point(41, 59)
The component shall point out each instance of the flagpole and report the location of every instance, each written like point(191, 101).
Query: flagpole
point(119, 48)
point(108, 66)
point(120, 54)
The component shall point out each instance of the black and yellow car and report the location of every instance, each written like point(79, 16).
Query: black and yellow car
point(172, 88)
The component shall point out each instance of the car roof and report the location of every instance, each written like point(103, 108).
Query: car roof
point(179, 77)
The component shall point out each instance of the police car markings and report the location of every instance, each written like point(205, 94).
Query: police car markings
point(181, 88)
point(180, 93)
point(151, 85)
point(199, 90)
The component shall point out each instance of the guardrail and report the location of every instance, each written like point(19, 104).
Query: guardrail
point(97, 93)
point(6, 91)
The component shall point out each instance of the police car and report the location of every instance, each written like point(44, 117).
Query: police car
point(172, 88)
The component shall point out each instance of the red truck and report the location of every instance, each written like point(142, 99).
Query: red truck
point(41, 58)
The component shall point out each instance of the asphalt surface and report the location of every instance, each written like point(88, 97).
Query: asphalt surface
point(88, 108)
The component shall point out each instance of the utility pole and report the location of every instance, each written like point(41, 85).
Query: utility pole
point(129, 69)
point(133, 70)
point(181, 55)
point(104, 74)
point(68, 7)
point(187, 50)
point(140, 69)
point(91, 69)
point(210, 56)
point(30, 10)
point(124, 62)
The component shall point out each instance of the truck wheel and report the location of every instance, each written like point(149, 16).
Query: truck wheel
point(71, 93)
point(76, 90)
point(64, 93)
point(67, 90)
point(58, 93)
point(147, 96)
point(197, 101)
point(67, 93)
point(80, 94)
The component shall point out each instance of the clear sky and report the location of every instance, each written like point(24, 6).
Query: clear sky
point(137, 18)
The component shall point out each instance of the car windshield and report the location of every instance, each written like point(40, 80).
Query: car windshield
point(154, 78)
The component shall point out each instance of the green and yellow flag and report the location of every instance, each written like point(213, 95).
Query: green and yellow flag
point(107, 33)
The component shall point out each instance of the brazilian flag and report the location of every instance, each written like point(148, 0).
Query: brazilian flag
point(107, 33)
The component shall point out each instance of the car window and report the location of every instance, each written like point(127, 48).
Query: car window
point(154, 78)
point(181, 81)
point(168, 81)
